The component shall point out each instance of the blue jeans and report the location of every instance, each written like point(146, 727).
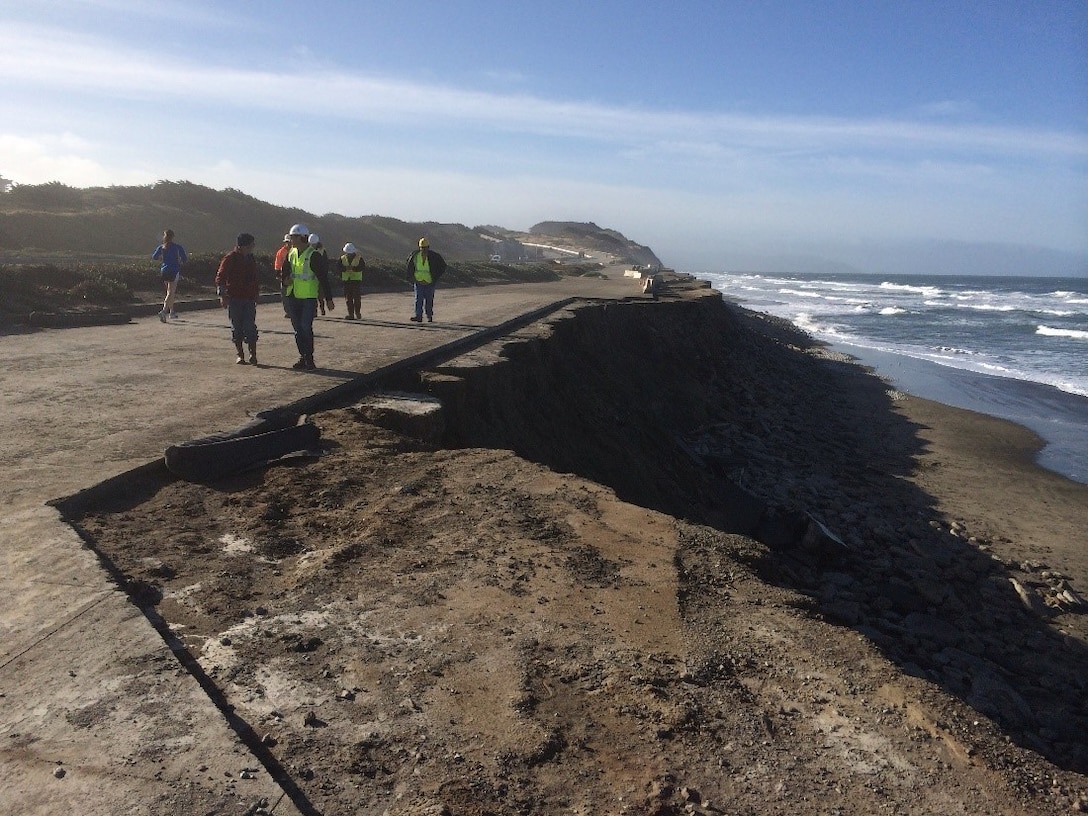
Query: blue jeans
point(424, 299)
point(243, 321)
point(302, 312)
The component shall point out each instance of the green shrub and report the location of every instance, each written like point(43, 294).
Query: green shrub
point(101, 290)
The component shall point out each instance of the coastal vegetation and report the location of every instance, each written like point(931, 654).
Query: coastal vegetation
point(58, 223)
point(71, 249)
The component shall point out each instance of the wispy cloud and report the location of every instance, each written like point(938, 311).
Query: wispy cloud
point(59, 157)
point(90, 111)
point(64, 61)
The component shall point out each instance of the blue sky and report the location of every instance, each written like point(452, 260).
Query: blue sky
point(722, 134)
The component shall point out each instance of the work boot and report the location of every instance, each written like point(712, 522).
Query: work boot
point(310, 364)
point(241, 357)
point(300, 364)
point(253, 354)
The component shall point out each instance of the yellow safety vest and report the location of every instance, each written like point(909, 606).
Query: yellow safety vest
point(304, 284)
point(351, 270)
point(423, 269)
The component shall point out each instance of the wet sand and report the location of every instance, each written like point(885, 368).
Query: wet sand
point(983, 470)
point(1058, 417)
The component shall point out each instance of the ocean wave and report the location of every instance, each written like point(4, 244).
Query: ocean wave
point(954, 350)
point(1050, 331)
point(906, 287)
point(806, 322)
point(956, 324)
point(987, 307)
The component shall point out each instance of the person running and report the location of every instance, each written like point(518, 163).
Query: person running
point(238, 285)
point(424, 268)
point(172, 256)
point(302, 273)
point(351, 266)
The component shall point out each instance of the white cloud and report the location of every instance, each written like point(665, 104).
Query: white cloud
point(34, 56)
point(56, 157)
point(90, 111)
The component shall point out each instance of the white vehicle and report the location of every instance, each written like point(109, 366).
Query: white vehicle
point(496, 259)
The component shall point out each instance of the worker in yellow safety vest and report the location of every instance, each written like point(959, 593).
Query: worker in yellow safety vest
point(305, 273)
point(351, 266)
point(423, 271)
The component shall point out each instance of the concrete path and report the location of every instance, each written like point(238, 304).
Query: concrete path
point(97, 715)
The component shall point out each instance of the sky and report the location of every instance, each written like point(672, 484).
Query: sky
point(723, 134)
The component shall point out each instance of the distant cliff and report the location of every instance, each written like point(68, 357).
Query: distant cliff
point(112, 222)
point(589, 235)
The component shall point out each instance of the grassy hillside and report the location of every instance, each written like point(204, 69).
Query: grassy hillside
point(65, 249)
point(128, 221)
point(58, 223)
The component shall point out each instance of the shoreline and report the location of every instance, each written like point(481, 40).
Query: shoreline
point(1062, 431)
point(982, 471)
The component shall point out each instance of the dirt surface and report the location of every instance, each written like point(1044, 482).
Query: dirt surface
point(598, 585)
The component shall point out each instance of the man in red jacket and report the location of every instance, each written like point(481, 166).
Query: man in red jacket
point(236, 283)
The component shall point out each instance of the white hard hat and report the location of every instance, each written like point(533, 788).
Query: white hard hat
point(314, 239)
point(349, 249)
point(299, 229)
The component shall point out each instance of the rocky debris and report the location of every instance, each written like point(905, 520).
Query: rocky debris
point(413, 415)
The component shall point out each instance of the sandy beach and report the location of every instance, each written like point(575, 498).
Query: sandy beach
point(982, 470)
point(666, 557)
point(1060, 418)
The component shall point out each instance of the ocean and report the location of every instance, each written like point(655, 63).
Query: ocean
point(1011, 347)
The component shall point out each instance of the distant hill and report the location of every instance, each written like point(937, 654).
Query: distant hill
point(594, 237)
point(111, 222)
point(558, 239)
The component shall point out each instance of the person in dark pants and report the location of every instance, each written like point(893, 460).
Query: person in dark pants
point(305, 275)
point(351, 266)
point(277, 264)
point(324, 297)
point(423, 270)
point(237, 285)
